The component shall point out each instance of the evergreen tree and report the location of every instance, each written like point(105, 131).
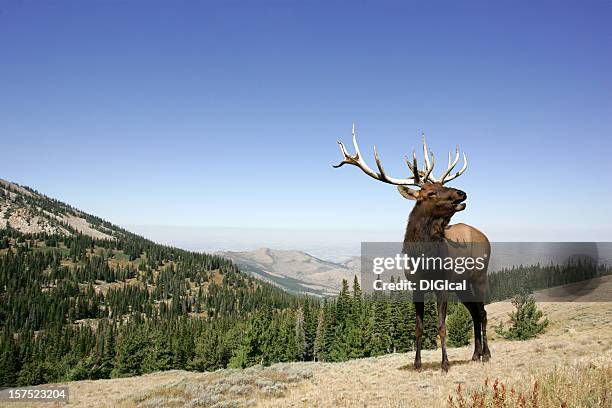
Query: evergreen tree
point(404, 322)
point(9, 360)
point(252, 348)
point(381, 341)
point(158, 355)
point(525, 320)
point(317, 347)
point(310, 329)
point(131, 350)
point(430, 322)
point(300, 334)
point(328, 333)
point(459, 326)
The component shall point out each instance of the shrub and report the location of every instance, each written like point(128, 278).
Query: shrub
point(525, 320)
point(459, 327)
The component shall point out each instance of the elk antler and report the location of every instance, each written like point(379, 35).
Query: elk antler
point(451, 165)
point(419, 177)
point(358, 161)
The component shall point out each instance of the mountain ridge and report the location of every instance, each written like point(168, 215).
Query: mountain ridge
point(30, 212)
point(294, 270)
point(104, 299)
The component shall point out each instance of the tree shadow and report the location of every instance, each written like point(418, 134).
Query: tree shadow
point(428, 366)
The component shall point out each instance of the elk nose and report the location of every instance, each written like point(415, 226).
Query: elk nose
point(461, 193)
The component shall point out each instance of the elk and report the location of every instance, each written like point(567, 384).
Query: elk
point(428, 222)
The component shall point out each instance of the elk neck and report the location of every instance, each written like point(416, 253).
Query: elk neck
point(422, 227)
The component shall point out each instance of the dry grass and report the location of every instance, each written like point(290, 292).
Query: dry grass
point(225, 388)
point(582, 386)
point(571, 363)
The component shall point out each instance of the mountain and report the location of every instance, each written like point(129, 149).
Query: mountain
point(30, 212)
point(83, 298)
point(27, 211)
point(296, 271)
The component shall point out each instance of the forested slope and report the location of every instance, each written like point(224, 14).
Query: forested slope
point(75, 304)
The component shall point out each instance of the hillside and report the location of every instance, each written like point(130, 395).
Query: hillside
point(30, 212)
point(77, 306)
point(295, 271)
point(101, 298)
point(571, 362)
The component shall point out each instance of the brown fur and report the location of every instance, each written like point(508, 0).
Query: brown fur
point(429, 222)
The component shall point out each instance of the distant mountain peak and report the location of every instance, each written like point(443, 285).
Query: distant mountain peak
point(294, 270)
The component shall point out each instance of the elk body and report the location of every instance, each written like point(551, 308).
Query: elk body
point(428, 224)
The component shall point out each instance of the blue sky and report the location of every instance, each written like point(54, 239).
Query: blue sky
point(227, 113)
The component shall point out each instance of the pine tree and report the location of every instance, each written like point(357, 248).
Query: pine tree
point(158, 356)
point(300, 333)
point(293, 345)
point(317, 346)
point(107, 359)
point(252, 349)
point(356, 289)
point(430, 321)
point(459, 326)
point(130, 354)
point(343, 304)
point(310, 329)
point(404, 321)
point(9, 362)
point(381, 342)
point(525, 320)
point(329, 332)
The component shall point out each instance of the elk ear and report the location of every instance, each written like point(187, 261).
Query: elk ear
point(408, 193)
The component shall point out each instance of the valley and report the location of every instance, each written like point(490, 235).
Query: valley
point(295, 271)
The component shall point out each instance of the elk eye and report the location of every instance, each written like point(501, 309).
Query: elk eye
point(431, 194)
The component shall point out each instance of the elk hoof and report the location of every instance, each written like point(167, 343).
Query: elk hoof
point(486, 357)
point(476, 357)
point(445, 366)
point(417, 365)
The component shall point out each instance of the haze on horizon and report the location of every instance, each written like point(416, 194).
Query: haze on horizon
point(157, 115)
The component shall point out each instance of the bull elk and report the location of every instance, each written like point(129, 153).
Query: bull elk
point(428, 222)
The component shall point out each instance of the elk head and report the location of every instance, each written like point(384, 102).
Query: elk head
point(432, 197)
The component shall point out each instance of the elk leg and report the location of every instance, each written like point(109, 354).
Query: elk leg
point(442, 303)
point(475, 313)
point(486, 353)
point(419, 309)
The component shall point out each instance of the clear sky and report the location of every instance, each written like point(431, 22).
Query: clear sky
point(227, 113)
